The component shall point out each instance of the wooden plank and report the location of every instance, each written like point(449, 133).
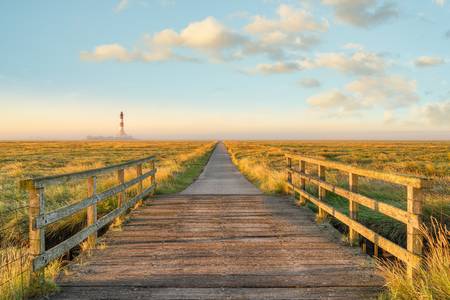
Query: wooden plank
point(46, 257)
point(63, 212)
point(36, 236)
point(55, 179)
point(284, 249)
point(91, 211)
point(381, 207)
point(353, 206)
point(414, 239)
point(322, 192)
point(391, 247)
point(414, 181)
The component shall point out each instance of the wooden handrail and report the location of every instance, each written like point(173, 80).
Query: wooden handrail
point(406, 180)
point(40, 219)
point(56, 179)
point(411, 217)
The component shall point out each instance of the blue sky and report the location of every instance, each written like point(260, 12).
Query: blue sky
point(249, 69)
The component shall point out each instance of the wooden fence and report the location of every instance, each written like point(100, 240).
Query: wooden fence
point(411, 217)
point(39, 218)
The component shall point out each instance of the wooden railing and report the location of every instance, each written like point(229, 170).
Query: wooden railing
point(411, 217)
point(39, 218)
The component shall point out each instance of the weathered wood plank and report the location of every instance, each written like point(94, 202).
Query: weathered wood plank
point(391, 247)
point(378, 206)
point(282, 252)
point(415, 181)
point(56, 179)
point(55, 252)
point(66, 211)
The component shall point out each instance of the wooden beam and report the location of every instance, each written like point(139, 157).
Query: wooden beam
point(414, 238)
point(322, 192)
point(122, 195)
point(46, 257)
point(92, 210)
point(403, 254)
point(414, 181)
point(140, 186)
point(381, 207)
point(36, 235)
point(49, 180)
point(56, 215)
point(353, 207)
point(302, 165)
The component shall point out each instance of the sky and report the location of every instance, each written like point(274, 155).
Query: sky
point(198, 69)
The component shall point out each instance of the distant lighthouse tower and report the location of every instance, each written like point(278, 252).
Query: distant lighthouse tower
point(122, 133)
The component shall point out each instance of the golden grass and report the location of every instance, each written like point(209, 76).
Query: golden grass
point(432, 279)
point(264, 164)
point(32, 159)
point(16, 277)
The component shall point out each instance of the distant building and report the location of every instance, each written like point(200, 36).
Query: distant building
point(120, 136)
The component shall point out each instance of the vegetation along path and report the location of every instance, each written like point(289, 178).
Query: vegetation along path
point(221, 238)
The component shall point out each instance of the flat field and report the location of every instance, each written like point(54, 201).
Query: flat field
point(263, 162)
point(177, 163)
point(20, 160)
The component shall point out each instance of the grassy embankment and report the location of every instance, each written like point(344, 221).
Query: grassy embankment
point(178, 163)
point(264, 164)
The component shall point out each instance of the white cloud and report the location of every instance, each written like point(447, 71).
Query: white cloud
point(121, 5)
point(294, 30)
point(335, 100)
point(209, 34)
point(428, 61)
point(290, 20)
point(362, 13)
point(388, 92)
point(309, 82)
point(359, 62)
point(439, 2)
point(437, 113)
point(107, 52)
point(353, 46)
point(275, 68)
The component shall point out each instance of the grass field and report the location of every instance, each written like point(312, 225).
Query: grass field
point(178, 164)
point(264, 164)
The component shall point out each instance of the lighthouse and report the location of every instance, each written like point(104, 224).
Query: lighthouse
point(122, 133)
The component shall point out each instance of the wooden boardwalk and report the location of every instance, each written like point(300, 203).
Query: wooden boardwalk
point(222, 246)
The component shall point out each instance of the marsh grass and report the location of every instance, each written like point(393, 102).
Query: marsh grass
point(264, 164)
point(432, 279)
point(178, 164)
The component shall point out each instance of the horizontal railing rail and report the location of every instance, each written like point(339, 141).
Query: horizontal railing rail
point(411, 256)
point(56, 179)
point(40, 219)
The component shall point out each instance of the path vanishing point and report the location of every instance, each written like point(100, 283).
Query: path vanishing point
point(222, 238)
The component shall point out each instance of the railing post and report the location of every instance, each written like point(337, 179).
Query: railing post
point(139, 187)
point(121, 195)
point(36, 235)
point(322, 192)
point(92, 210)
point(353, 207)
point(153, 177)
point(302, 165)
point(289, 173)
point(414, 240)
